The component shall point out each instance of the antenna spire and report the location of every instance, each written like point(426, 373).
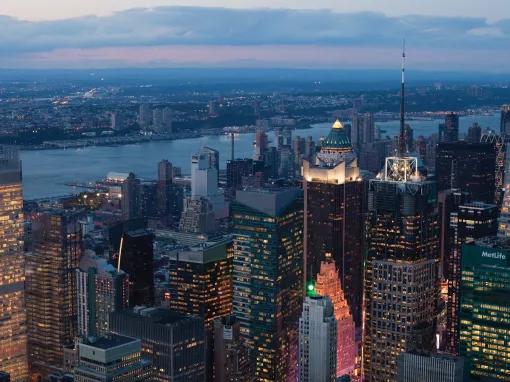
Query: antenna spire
point(402, 142)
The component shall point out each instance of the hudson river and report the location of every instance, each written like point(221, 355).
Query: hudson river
point(46, 172)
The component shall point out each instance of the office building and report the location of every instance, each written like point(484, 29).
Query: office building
point(100, 289)
point(317, 341)
point(239, 170)
point(474, 134)
point(136, 258)
point(144, 116)
point(414, 367)
point(13, 341)
point(204, 181)
point(484, 318)
point(504, 218)
point(505, 121)
point(333, 214)
point(260, 146)
point(500, 148)
point(401, 268)
point(130, 201)
point(268, 279)
point(449, 131)
point(198, 216)
point(231, 360)
point(200, 284)
point(468, 222)
point(173, 342)
point(51, 290)
point(328, 285)
point(470, 167)
point(170, 195)
point(112, 358)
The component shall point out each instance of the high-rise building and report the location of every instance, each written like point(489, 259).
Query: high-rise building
point(130, 201)
point(474, 134)
point(112, 358)
point(170, 195)
point(449, 131)
point(468, 222)
point(173, 342)
point(51, 290)
point(204, 180)
point(414, 367)
point(231, 361)
point(328, 284)
point(505, 121)
point(484, 318)
point(317, 341)
point(260, 146)
point(144, 115)
point(401, 268)
point(167, 120)
point(198, 216)
point(333, 214)
point(500, 148)
point(136, 258)
point(268, 279)
point(470, 167)
point(13, 327)
point(101, 289)
point(200, 284)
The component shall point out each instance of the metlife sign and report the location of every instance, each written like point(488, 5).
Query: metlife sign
point(474, 255)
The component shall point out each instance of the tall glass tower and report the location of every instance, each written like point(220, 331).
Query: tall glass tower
point(268, 279)
point(13, 328)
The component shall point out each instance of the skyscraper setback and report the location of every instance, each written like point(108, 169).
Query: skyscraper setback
point(13, 329)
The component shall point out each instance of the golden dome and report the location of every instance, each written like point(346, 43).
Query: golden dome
point(338, 125)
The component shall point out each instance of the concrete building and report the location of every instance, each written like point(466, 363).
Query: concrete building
point(112, 359)
point(317, 341)
point(416, 367)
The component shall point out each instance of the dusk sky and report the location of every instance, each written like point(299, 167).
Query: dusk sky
point(458, 35)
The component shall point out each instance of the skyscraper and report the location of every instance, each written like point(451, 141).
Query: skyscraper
point(130, 201)
point(267, 278)
point(328, 284)
point(500, 148)
point(136, 258)
point(468, 222)
point(231, 361)
point(333, 221)
point(449, 131)
point(470, 167)
point(505, 121)
point(317, 341)
point(51, 290)
point(401, 285)
point(173, 342)
point(474, 133)
point(200, 284)
point(13, 329)
point(484, 318)
point(101, 289)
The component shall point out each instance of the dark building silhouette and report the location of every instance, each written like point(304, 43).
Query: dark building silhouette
point(130, 202)
point(474, 133)
point(505, 121)
point(170, 196)
point(231, 361)
point(136, 258)
point(449, 130)
point(241, 168)
point(469, 167)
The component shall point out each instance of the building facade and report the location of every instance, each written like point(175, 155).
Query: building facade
point(414, 367)
point(51, 290)
point(317, 341)
point(13, 326)
point(268, 279)
point(173, 342)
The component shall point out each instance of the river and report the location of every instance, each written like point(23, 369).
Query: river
point(46, 172)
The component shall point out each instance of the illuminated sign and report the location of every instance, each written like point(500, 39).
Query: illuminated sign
point(494, 255)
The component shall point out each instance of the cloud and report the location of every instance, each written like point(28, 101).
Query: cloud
point(196, 26)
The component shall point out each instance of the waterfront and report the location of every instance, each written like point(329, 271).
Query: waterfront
point(46, 172)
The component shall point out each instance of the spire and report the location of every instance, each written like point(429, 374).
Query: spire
point(402, 141)
point(337, 125)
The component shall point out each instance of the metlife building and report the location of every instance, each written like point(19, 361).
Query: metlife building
point(485, 308)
